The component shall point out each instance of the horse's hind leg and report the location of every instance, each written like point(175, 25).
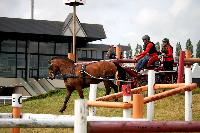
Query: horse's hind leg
point(108, 87)
point(68, 94)
point(80, 92)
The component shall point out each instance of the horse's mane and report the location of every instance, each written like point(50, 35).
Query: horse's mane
point(64, 59)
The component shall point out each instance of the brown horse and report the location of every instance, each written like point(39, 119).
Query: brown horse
point(77, 77)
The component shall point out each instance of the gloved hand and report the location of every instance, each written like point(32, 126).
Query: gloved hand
point(136, 58)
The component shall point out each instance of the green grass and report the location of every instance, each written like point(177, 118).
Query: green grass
point(171, 108)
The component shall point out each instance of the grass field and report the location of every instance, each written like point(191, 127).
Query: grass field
point(171, 108)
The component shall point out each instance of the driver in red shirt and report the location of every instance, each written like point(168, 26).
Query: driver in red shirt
point(149, 52)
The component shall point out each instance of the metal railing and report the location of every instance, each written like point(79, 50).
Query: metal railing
point(8, 99)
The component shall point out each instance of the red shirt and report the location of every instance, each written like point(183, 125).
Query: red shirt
point(146, 51)
point(168, 53)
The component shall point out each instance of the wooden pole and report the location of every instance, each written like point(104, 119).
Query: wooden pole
point(118, 52)
point(71, 56)
point(170, 93)
point(109, 104)
point(192, 60)
point(142, 126)
point(181, 67)
point(138, 106)
point(16, 109)
point(74, 31)
point(120, 94)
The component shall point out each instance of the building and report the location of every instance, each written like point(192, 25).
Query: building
point(26, 45)
point(96, 52)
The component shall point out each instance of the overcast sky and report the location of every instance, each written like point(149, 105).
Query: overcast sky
point(124, 21)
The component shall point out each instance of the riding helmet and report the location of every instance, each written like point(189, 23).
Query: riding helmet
point(146, 37)
point(166, 40)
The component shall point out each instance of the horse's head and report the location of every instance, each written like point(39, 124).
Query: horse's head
point(55, 64)
point(53, 68)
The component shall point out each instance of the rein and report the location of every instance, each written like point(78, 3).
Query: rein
point(71, 74)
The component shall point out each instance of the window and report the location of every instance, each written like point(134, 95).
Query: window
point(7, 65)
point(104, 55)
point(21, 46)
point(62, 48)
point(43, 67)
point(8, 46)
point(33, 47)
point(94, 54)
point(84, 54)
point(33, 61)
point(21, 61)
point(46, 48)
point(89, 54)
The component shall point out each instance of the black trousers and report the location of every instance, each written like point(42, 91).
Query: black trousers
point(168, 65)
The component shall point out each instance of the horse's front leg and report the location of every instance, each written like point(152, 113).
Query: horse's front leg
point(68, 94)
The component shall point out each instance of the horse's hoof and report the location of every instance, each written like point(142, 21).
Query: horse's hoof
point(61, 110)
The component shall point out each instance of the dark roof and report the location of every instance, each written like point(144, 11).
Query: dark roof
point(94, 30)
point(44, 27)
point(30, 26)
point(105, 47)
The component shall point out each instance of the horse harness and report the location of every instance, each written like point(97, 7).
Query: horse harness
point(73, 74)
point(84, 73)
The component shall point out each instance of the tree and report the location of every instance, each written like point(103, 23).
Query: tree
point(178, 48)
point(198, 50)
point(157, 45)
point(138, 49)
point(189, 46)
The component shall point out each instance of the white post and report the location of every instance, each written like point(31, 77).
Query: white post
point(16, 109)
point(17, 100)
point(188, 95)
point(126, 98)
point(150, 106)
point(80, 112)
point(92, 97)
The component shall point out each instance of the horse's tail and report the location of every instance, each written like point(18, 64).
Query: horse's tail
point(121, 71)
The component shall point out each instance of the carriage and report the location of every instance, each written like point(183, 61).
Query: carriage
point(161, 75)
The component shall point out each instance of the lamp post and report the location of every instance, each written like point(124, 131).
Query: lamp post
point(74, 3)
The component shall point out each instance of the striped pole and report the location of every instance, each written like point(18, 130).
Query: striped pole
point(16, 109)
point(126, 98)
